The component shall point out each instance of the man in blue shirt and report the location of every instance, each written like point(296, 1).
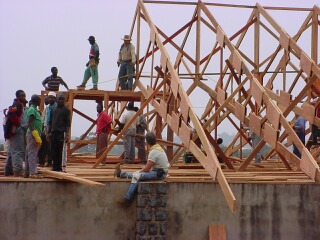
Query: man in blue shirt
point(299, 127)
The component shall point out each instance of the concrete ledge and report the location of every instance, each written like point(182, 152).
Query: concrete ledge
point(64, 210)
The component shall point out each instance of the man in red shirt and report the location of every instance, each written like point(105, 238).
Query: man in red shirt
point(103, 129)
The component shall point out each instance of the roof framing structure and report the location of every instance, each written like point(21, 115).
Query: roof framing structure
point(259, 85)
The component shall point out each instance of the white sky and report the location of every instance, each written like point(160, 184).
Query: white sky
point(39, 34)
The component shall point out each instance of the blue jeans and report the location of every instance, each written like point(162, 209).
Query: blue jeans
point(126, 74)
point(145, 176)
point(17, 152)
point(301, 136)
point(8, 170)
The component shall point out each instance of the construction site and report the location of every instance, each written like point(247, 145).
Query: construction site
point(257, 78)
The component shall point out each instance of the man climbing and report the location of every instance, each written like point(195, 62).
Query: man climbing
point(53, 82)
point(92, 65)
point(126, 61)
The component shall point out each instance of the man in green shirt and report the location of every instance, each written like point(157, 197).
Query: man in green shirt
point(33, 137)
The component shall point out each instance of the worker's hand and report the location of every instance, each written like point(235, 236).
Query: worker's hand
point(118, 63)
point(133, 63)
point(37, 138)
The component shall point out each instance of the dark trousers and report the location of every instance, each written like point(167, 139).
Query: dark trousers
point(314, 134)
point(44, 151)
point(56, 142)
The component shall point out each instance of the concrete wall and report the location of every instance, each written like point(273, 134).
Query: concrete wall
point(64, 210)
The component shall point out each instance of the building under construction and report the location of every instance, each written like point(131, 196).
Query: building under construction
point(258, 77)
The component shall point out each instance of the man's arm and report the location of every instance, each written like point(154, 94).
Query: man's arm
point(133, 54)
point(31, 123)
point(68, 124)
point(64, 83)
point(148, 166)
point(33, 131)
point(44, 82)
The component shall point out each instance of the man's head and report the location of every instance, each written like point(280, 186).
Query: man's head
point(51, 97)
point(136, 109)
point(54, 71)
point(46, 100)
point(60, 99)
point(126, 39)
point(151, 138)
point(21, 95)
point(91, 40)
point(35, 100)
point(130, 106)
point(99, 107)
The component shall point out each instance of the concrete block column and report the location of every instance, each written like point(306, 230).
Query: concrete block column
point(151, 211)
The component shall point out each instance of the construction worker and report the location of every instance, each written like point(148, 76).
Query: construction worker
point(53, 82)
point(126, 61)
point(92, 65)
point(156, 168)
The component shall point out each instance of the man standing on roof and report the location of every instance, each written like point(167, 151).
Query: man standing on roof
point(126, 61)
point(129, 135)
point(52, 104)
point(92, 65)
point(140, 141)
point(299, 127)
point(44, 150)
point(16, 127)
point(33, 137)
point(59, 124)
point(53, 82)
point(103, 129)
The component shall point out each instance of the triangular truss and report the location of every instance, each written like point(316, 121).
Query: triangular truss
point(260, 93)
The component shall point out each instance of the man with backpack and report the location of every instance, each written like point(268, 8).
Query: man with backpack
point(15, 131)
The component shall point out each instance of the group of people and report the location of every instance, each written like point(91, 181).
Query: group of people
point(32, 137)
point(126, 61)
point(31, 134)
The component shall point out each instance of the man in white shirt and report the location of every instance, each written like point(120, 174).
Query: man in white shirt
point(156, 168)
point(129, 135)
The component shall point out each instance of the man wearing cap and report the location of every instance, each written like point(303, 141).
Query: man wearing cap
point(53, 82)
point(52, 104)
point(126, 61)
point(92, 65)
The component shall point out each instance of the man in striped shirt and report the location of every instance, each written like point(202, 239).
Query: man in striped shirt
point(53, 82)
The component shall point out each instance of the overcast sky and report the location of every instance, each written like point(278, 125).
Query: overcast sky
point(39, 34)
